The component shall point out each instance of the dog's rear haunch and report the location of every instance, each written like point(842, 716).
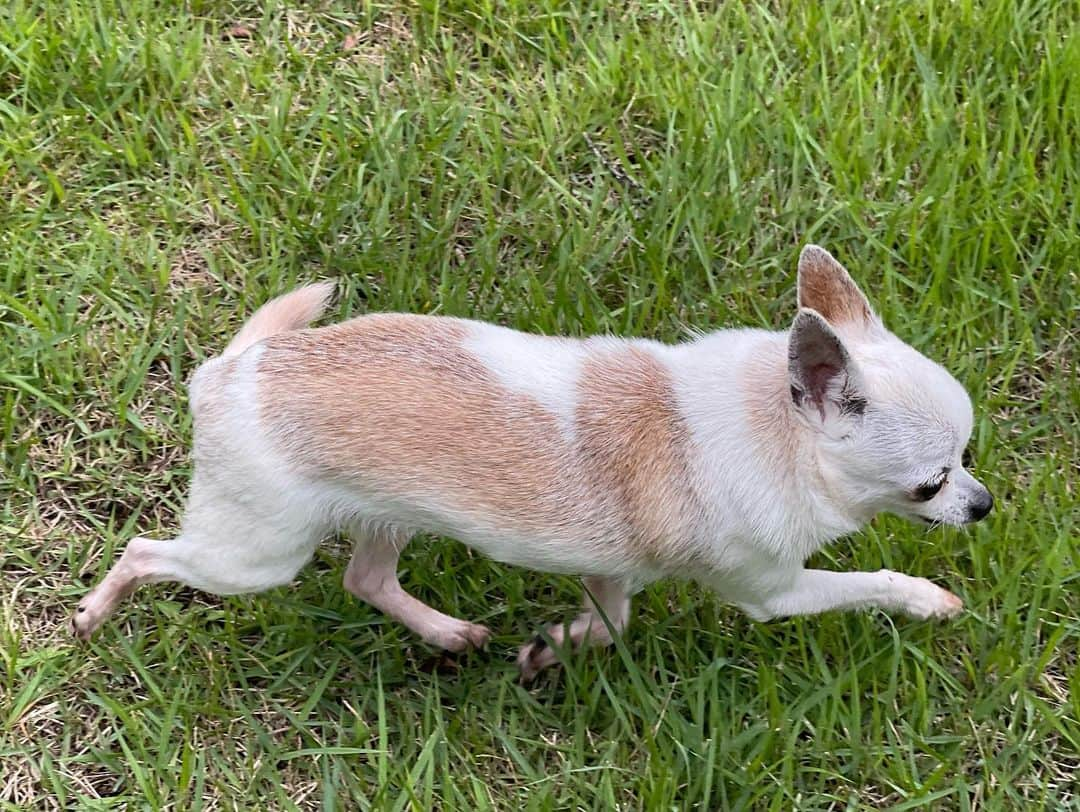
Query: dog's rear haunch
point(728, 459)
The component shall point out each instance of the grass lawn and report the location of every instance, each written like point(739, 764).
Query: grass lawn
point(571, 166)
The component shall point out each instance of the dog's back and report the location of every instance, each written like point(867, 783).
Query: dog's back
point(409, 416)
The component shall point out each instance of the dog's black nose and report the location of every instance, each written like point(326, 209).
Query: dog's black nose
point(979, 509)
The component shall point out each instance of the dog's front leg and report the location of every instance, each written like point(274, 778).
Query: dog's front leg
point(607, 610)
point(814, 591)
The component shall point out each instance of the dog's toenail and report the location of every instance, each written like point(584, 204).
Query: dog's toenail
point(537, 645)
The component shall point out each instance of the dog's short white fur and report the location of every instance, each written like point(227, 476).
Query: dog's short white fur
point(728, 459)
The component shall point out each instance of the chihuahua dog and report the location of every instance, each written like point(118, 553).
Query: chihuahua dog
point(728, 459)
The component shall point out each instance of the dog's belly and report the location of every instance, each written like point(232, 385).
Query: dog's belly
point(576, 545)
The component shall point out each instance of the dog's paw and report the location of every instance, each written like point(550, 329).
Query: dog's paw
point(84, 622)
point(459, 636)
point(534, 657)
point(924, 600)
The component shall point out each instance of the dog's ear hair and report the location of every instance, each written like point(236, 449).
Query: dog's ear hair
point(825, 286)
point(825, 384)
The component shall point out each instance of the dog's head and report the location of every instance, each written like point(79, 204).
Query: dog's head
point(890, 425)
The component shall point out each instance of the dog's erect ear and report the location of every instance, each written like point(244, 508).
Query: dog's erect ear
point(825, 385)
point(825, 286)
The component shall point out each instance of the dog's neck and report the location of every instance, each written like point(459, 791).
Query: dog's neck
point(756, 447)
point(788, 454)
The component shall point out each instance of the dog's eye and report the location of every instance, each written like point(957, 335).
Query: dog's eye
point(928, 490)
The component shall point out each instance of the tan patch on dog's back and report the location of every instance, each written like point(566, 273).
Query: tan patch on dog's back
point(394, 404)
point(634, 444)
point(396, 407)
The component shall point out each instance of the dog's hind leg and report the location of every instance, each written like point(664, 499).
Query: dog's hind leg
point(144, 561)
point(604, 598)
point(226, 547)
point(372, 577)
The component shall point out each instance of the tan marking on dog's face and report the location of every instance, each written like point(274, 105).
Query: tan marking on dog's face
point(394, 404)
point(825, 286)
point(634, 444)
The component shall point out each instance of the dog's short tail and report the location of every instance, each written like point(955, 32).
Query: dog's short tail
point(289, 312)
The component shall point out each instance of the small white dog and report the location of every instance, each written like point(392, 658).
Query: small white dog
point(728, 459)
